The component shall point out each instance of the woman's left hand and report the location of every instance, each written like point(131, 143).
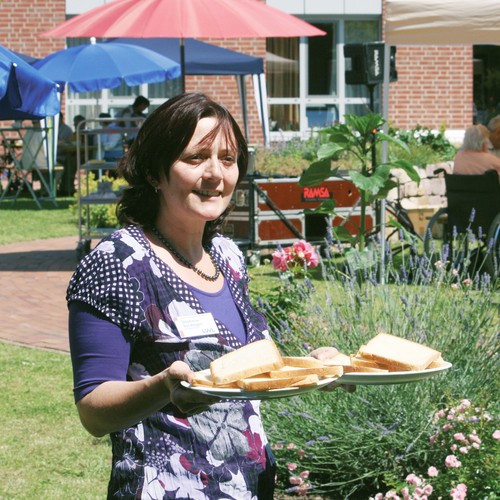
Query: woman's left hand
point(324, 353)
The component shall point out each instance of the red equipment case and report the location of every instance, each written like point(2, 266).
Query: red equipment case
point(270, 210)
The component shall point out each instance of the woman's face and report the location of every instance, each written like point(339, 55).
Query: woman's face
point(202, 180)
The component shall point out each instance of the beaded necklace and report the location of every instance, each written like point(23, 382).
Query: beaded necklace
point(186, 262)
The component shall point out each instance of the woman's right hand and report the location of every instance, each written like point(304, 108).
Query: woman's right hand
point(185, 399)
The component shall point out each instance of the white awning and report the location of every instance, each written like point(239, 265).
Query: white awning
point(442, 22)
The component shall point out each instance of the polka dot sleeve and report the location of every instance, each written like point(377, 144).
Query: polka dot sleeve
point(102, 282)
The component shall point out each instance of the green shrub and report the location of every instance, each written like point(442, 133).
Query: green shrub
point(425, 146)
point(286, 158)
point(342, 445)
point(100, 216)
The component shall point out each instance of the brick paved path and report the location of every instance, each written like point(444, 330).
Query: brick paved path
point(33, 280)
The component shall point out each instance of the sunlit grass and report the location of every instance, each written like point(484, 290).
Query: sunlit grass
point(22, 221)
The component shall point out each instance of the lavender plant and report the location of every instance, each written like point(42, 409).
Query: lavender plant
point(340, 445)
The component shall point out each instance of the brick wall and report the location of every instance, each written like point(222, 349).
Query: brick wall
point(225, 88)
point(24, 20)
point(434, 87)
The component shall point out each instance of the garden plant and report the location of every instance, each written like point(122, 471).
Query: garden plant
point(432, 439)
point(436, 438)
point(358, 138)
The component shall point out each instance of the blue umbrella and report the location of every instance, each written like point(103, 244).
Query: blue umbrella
point(97, 66)
point(25, 94)
point(201, 58)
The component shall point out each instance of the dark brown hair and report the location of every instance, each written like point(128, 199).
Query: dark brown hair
point(162, 138)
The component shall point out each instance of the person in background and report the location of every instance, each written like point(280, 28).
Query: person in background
point(161, 298)
point(67, 186)
point(64, 138)
point(111, 143)
point(494, 129)
point(137, 110)
point(474, 157)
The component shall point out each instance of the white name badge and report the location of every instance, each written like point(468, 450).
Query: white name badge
point(196, 325)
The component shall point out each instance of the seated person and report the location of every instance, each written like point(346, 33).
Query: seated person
point(474, 157)
point(494, 128)
point(112, 143)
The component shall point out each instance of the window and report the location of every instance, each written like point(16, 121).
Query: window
point(305, 78)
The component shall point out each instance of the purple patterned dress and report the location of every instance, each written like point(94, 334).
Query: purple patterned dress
point(220, 453)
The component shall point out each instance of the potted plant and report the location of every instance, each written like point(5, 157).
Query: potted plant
point(358, 139)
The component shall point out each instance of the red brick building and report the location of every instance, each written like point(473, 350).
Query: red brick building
point(434, 88)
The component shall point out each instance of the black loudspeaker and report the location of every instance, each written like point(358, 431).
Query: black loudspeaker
point(365, 63)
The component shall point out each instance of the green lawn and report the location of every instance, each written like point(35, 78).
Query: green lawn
point(351, 441)
point(22, 221)
point(44, 451)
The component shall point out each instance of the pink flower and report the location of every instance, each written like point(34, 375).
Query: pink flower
point(418, 491)
point(459, 437)
point(432, 439)
point(464, 450)
point(432, 472)
point(279, 261)
point(302, 489)
point(391, 494)
point(296, 481)
point(441, 413)
point(475, 438)
point(447, 427)
point(291, 446)
point(451, 461)
point(428, 489)
point(459, 493)
point(292, 466)
point(453, 447)
point(476, 446)
point(306, 253)
point(496, 435)
point(301, 453)
point(304, 474)
point(413, 479)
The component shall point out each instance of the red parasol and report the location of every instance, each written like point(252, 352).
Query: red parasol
point(184, 19)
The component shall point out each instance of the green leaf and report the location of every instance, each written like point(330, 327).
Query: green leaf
point(329, 149)
point(408, 168)
point(327, 207)
point(317, 172)
point(381, 136)
point(340, 233)
point(366, 124)
point(384, 191)
point(370, 185)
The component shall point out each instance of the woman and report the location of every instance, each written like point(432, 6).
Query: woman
point(160, 299)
